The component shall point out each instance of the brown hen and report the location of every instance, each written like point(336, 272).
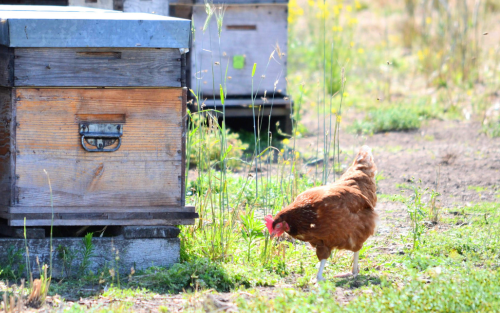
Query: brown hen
point(336, 216)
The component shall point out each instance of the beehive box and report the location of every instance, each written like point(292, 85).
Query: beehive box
point(251, 30)
point(249, 35)
point(96, 100)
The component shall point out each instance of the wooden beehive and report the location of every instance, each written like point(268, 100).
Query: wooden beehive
point(100, 107)
point(249, 35)
point(251, 30)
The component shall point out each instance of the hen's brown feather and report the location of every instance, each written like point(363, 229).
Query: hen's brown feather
point(340, 215)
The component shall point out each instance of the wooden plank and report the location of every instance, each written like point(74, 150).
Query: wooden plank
point(146, 6)
point(102, 215)
point(184, 134)
point(5, 146)
point(111, 183)
point(101, 67)
point(85, 222)
point(6, 66)
point(48, 122)
point(235, 102)
point(256, 45)
point(154, 209)
point(145, 171)
point(247, 112)
point(98, 4)
point(13, 148)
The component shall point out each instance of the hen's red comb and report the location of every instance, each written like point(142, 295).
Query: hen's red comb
point(269, 223)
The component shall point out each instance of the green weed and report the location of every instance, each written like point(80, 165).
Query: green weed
point(13, 267)
point(392, 119)
point(492, 129)
point(203, 274)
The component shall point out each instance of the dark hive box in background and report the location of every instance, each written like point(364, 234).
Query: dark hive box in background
point(95, 99)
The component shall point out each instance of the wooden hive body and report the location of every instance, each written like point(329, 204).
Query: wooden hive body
point(249, 32)
point(47, 93)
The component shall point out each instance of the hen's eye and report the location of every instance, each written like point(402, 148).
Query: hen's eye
point(278, 226)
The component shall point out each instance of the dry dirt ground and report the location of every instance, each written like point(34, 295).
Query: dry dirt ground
point(454, 157)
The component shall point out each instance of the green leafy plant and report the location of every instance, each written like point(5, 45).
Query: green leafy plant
point(87, 253)
point(392, 119)
point(492, 129)
point(252, 229)
point(13, 267)
point(67, 256)
point(417, 214)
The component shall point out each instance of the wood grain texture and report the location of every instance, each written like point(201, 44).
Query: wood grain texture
point(184, 134)
point(102, 222)
point(97, 67)
point(5, 146)
point(146, 6)
point(103, 215)
point(270, 23)
point(247, 112)
point(155, 209)
point(145, 171)
point(6, 66)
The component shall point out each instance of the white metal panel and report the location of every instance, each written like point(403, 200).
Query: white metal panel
point(252, 31)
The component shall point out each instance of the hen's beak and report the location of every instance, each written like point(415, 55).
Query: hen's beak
point(273, 234)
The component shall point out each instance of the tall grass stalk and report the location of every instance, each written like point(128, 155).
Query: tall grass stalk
point(51, 223)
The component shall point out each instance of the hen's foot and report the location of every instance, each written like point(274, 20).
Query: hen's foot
point(320, 278)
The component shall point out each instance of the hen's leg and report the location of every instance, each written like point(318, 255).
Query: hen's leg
point(355, 267)
point(319, 277)
point(323, 253)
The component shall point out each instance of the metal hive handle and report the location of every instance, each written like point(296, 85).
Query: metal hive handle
point(100, 136)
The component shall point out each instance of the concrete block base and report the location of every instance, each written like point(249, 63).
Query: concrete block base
point(137, 253)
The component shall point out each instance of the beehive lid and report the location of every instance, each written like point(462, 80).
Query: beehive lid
point(50, 8)
point(50, 27)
